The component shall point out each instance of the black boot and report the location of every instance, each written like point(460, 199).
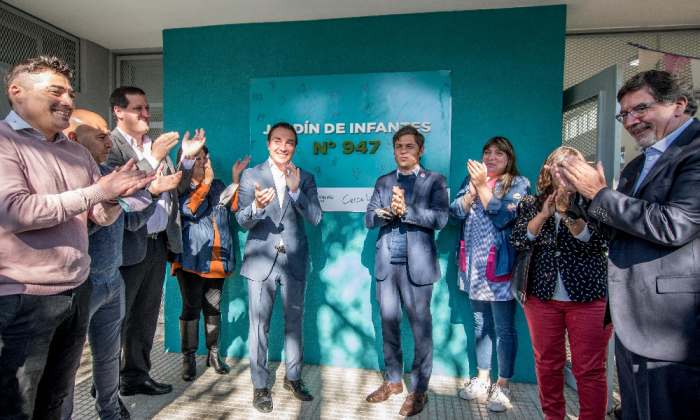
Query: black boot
point(189, 341)
point(212, 325)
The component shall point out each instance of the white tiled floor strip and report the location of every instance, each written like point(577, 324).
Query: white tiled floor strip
point(339, 394)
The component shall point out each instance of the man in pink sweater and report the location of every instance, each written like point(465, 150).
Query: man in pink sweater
point(51, 186)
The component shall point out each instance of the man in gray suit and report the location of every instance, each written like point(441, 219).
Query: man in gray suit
point(653, 220)
point(275, 198)
point(408, 205)
point(145, 251)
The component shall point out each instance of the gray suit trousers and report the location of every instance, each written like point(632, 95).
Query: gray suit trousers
point(391, 291)
point(261, 299)
point(654, 389)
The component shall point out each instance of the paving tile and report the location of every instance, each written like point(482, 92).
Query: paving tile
point(339, 393)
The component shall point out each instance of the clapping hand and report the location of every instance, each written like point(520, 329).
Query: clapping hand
point(124, 181)
point(292, 176)
point(556, 172)
point(550, 205)
point(208, 172)
point(477, 172)
point(587, 180)
point(398, 202)
point(190, 147)
point(264, 197)
point(238, 168)
point(162, 145)
point(562, 199)
point(163, 183)
point(469, 196)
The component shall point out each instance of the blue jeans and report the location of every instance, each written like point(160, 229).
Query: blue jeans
point(502, 315)
point(106, 314)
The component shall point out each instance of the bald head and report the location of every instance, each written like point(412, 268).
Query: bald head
point(91, 131)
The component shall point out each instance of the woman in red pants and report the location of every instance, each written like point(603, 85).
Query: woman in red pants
point(566, 293)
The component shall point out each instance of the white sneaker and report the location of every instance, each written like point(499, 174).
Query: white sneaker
point(499, 399)
point(474, 389)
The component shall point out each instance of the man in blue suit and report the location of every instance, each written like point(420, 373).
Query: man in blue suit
point(408, 205)
point(653, 220)
point(275, 198)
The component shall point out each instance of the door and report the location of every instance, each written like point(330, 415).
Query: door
point(589, 125)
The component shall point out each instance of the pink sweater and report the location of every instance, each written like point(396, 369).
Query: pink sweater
point(46, 192)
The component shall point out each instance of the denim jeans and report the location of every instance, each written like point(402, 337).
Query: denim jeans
point(502, 316)
point(106, 314)
point(41, 340)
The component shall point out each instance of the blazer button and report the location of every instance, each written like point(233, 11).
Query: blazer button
point(281, 228)
point(301, 207)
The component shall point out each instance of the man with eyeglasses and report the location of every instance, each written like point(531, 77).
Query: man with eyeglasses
point(653, 222)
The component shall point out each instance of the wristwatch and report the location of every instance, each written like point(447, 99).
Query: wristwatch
point(569, 221)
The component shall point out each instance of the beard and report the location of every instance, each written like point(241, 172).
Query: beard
point(643, 139)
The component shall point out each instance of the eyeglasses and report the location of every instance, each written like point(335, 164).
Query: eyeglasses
point(638, 112)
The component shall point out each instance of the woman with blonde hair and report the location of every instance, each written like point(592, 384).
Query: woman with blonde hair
point(566, 290)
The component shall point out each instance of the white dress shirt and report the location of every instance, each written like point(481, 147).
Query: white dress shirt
point(158, 222)
point(280, 188)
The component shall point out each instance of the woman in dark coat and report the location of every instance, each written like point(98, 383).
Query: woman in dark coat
point(207, 259)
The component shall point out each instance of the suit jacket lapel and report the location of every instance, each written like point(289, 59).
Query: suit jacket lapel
point(124, 146)
point(169, 165)
point(670, 154)
point(635, 168)
point(266, 179)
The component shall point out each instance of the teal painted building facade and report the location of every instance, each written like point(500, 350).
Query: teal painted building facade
point(507, 71)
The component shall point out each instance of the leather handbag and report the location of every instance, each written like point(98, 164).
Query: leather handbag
point(520, 274)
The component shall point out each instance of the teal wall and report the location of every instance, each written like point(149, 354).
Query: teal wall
point(507, 72)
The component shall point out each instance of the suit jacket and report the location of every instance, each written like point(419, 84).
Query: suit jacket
point(287, 223)
point(654, 268)
point(135, 243)
point(427, 212)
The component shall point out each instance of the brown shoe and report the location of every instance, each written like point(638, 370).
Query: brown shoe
point(386, 390)
point(414, 404)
